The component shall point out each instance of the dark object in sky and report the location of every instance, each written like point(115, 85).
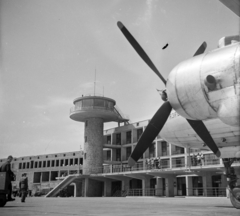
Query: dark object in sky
point(165, 46)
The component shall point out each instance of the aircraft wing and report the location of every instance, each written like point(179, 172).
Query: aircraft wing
point(233, 5)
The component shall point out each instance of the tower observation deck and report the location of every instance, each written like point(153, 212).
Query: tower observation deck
point(94, 111)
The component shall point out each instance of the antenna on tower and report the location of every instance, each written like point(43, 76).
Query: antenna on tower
point(95, 81)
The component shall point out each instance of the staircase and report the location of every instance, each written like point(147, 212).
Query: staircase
point(64, 183)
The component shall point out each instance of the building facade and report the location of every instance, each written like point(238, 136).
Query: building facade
point(164, 169)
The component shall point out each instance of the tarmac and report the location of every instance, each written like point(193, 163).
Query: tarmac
point(124, 206)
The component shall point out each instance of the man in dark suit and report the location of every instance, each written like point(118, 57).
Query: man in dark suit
point(23, 185)
point(6, 167)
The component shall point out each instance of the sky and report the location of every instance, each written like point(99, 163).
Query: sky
point(50, 51)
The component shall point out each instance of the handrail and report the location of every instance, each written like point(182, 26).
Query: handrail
point(142, 166)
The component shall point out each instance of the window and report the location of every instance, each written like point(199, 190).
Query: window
point(24, 164)
point(81, 161)
point(40, 164)
point(118, 154)
point(32, 163)
point(57, 163)
point(76, 161)
point(108, 139)
point(179, 150)
point(53, 162)
point(20, 166)
point(118, 139)
point(62, 163)
point(152, 150)
point(98, 103)
point(66, 162)
point(87, 102)
point(44, 163)
point(48, 163)
point(164, 148)
point(109, 155)
point(128, 152)
point(129, 137)
point(28, 165)
point(35, 165)
point(139, 133)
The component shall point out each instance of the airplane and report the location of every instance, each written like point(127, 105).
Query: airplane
point(201, 106)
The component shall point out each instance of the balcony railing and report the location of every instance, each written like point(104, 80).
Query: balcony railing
point(143, 166)
point(209, 191)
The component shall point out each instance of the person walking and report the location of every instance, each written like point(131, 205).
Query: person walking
point(23, 185)
point(6, 167)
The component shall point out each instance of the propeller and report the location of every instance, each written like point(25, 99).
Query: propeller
point(159, 119)
point(139, 50)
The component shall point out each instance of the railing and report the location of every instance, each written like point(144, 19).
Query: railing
point(141, 192)
point(143, 166)
point(196, 191)
point(209, 191)
point(177, 152)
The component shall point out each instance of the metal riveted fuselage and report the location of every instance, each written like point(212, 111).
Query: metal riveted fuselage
point(207, 86)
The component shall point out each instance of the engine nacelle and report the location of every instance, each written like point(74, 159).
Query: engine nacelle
point(207, 86)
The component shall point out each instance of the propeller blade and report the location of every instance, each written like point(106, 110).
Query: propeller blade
point(201, 49)
point(139, 50)
point(201, 130)
point(151, 131)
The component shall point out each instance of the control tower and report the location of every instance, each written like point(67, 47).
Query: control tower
point(94, 111)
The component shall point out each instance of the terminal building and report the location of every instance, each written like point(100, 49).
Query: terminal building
point(101, 169)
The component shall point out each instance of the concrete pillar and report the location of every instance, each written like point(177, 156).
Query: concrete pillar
point(145, 186)
point(125, 184)
point(159, 187)
point(207, 183)
point(86, 184)
point(189, 185)
point(169, 181)
point(107, 188)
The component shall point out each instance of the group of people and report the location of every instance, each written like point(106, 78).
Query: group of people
point(197, 159)
point(10, 176)
point(153, 163)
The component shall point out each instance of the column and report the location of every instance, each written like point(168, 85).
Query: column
point(158, 187)
point(107, 188)
point(125, 184)
point(189, 185)
point(145, 186)
point(207, 183)
point(86, 183)
point(169, 181)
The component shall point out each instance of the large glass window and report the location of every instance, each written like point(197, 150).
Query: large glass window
point(152, 150)
point(108, 155)
point(108, 139)
point(165, 148)
point(87, 102)
point(109, 105)
point(128, 152)
point(118, 139)
point(118, 154)
point(99, 102)
point(78, 104)
point(129, 137)
point(139, 133)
